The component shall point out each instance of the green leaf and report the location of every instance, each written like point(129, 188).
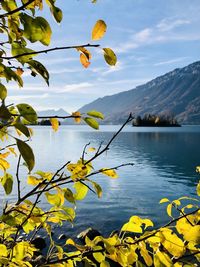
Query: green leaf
point(97, 188)
point(27, 112)
point(27, 153)
point(105, 264)
point(4, 112)
point(37, 67)
point(81, 191)
point(19, 49)
point(92, 123)
point(57, 13)
point(22, 128)
point(69, 195)
point(95, 114)
point(3, 92)
point(7, 182)
point(36, 29)
point(110, 56)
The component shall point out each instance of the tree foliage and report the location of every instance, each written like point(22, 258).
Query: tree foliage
point(138, 243)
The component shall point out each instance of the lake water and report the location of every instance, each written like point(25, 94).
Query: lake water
point(164, 158)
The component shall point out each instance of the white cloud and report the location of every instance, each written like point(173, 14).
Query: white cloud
point(157, 34)
point(170, 23)
point(171, 61)
point(76, 87)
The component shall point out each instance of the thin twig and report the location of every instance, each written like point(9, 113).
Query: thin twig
point(130, 117)
point(18, 180)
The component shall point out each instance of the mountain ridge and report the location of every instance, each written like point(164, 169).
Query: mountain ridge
point(176, 92)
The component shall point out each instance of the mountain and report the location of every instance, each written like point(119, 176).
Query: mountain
point(176, 93)
point(52, 112)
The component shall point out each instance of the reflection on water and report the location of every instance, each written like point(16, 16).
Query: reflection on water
point(165, 160)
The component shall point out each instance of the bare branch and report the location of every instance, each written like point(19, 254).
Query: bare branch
point(49, 50)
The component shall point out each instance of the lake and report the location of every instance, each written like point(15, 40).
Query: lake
point(164, 158)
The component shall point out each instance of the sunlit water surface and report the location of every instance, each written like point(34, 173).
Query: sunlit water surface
point(164, 158)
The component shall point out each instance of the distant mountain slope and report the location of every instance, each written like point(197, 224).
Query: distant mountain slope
point(52, 112)
point(177, 92)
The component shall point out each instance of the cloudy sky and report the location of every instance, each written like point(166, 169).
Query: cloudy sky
point(150, 38)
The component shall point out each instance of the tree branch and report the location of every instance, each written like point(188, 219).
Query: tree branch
point(18, 180)
point(16, 10)
point(49, 50)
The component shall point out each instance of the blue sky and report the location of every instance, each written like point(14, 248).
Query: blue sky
point(150, 38)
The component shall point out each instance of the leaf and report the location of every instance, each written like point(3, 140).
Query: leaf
point(169, 210)
point(19, 71)
point(91, 149)
point(110, 173)
point(69, 195)
point(98, 30)
point(105, 264)
point(97, 189)
point(4, 165)
point(3, 92)
point(39, 68)
point(96, 114)
point(110, 56)
point(84, 60)
point(3, 251)
point(92, 123)
point(7, 182)
point(198, 189)
point(81, 191)
point(22, 128)
point(164, 200)
point(36, 29)
point(70, 242)
point(131, 227)
point(27, 112)
point(78, 118)
point(53, 199)
point(84, 51)
point(57, 13)
point(32, 180)
point(27, 153)
point(54, 124)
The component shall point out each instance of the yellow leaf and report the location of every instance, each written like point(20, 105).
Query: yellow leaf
point(12, 150)
point(110, 56)
point(198, 189)
point(91, 149)
point(81, 191)
point(145, 254)
point(77, 115)
point(164, 200)
point(85, 52)
point(3, 251)
point(110, 173)
point(98, 30)
point(84, 60)
point(169, 210)
point(32, 180)
point(54, 124)
point(172, 243)
point(193, 234)
point(4, 165)
point(4, 155)
point(70, 242)
point(105, 264)
point(131, 227)
point(198, 169)
point(161, 257)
